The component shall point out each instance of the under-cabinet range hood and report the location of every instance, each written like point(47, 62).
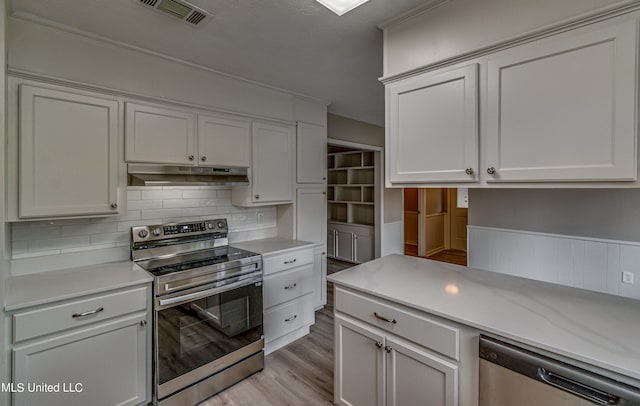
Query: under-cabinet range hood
point(166, 175)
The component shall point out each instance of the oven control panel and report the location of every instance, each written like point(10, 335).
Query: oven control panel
point(175, 230)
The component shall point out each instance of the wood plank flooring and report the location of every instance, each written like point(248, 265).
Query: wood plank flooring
point(299, 374)
point(450, 256)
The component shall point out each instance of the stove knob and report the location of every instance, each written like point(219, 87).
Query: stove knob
point(221, 224)
point(210, 226)
point(143, 233)
point(157, 231)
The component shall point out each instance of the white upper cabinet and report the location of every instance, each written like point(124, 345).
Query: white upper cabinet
point(159, 135)
point(312, 153)
point(272, 169)
point(68, 153)
point(224, 141)
point(432, 127)
point(272, 166)
point(563, 108)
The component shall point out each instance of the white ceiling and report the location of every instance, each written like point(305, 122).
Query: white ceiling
point(296, 45)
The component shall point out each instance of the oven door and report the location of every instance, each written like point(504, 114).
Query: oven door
point(199, 333)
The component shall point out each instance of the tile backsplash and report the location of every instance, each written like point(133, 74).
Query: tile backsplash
point(54, 244)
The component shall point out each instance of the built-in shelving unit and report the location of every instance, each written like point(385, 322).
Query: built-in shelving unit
point(351, 203)
point(351, 187)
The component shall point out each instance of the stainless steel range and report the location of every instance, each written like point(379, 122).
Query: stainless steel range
point(207, 308)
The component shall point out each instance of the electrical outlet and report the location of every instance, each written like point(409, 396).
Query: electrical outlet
point(627, 277)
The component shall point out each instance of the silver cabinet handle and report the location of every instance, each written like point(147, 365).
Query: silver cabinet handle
point(114, 205)
point(191, 157)
point(290, 262)
point(491, 170)
point(85, 314)
point(292, 318)
point(388, 320)
point(203, 158)
point(469, 171)
point(288, 287)
point(143, 323)
point(388, 348)
point(257, 196)
point(378, 344)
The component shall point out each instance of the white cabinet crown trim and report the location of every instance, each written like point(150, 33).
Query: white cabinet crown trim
point(552, 29)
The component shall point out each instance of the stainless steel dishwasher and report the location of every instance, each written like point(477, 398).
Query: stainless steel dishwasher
point(510, 375)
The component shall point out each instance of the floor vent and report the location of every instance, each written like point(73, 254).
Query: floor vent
point(181, 9)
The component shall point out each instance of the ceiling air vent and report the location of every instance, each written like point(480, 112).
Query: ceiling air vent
point(180, 9)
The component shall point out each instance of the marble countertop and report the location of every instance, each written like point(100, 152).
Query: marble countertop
point(269, 245)
point(590, 327)
point(42, 288)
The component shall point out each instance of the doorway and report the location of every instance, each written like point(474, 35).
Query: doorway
point(435, 224)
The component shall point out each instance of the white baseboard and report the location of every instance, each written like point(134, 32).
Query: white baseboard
point(581, 262)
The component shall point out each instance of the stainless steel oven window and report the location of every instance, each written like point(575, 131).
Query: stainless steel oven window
point(192, 334)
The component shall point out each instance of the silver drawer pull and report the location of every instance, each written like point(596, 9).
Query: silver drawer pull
point(292, 318)
point(85, 314)
point(293, 285)
point(392, 321)
point(289, 262)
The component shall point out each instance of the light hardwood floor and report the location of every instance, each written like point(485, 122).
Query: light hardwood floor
point(299, 374)
point(450, 256)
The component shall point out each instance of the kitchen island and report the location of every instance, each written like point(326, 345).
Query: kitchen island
point(445, 306)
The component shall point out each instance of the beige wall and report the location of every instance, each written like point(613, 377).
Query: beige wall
point(598, 213)
point(346, 129)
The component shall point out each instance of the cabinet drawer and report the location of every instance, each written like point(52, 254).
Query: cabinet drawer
point(405, 323)
point(287, 261)
point(287, 285)
point(52, 319)
point(289, 317)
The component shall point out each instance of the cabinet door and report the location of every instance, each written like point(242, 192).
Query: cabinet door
point(224, 142)
point(68, 154)
point(272, 156)
point(320, 279)
point(359, 364)
point(433, 127)
point(311, 219)
point(416, 377)
point(331, 243)
point(563, 108)
point(312, 153)
point(104, 365)
point(344, 245)
point(363, 245)
point(159, 135)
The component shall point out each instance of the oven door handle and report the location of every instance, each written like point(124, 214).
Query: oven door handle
point(177, 300)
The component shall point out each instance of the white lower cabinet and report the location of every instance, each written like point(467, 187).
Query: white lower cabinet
point(350, 242)
point(288, 290)
point(387, 354)
point(319, 277)
point(376, 368)
point(86, 353)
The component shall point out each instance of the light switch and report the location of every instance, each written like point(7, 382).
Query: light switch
point(627, 277)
